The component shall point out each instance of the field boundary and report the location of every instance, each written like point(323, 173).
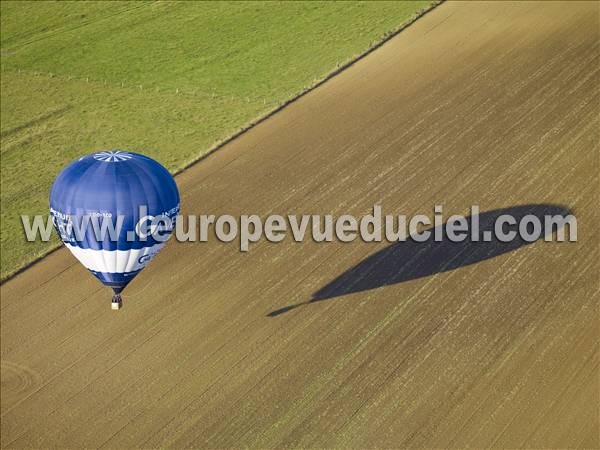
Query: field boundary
point(260, 119)
point(318, 82)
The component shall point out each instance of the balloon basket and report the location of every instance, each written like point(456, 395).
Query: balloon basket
point(117, 302)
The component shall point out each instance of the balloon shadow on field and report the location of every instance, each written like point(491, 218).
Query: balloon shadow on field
point(410, 260)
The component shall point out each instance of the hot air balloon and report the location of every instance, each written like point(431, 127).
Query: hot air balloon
point(114, 210)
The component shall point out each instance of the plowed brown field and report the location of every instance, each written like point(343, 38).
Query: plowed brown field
point(495, 104)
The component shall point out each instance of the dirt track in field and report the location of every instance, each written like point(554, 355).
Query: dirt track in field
point(492, 104)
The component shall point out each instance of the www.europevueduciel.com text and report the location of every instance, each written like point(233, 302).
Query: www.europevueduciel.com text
point(372, 227)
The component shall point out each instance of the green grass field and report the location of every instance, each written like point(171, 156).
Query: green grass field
point(167, 79)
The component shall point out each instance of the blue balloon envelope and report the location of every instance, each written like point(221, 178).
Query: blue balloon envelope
point(114, 210)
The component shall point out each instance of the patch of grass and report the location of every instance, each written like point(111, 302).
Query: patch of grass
point(169, 79)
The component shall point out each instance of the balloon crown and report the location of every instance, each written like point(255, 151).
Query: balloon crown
point(113, 156)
